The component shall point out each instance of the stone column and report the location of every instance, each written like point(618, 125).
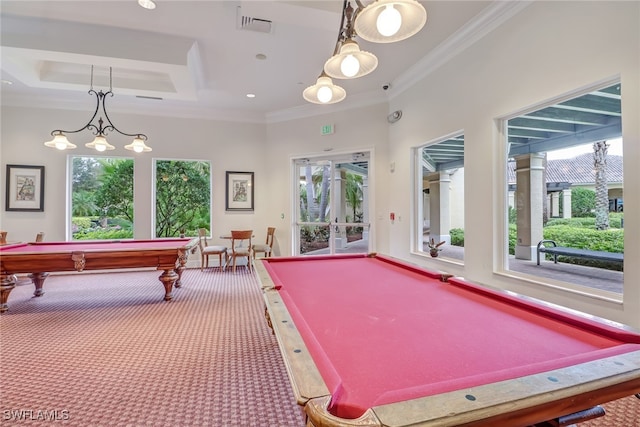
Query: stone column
point(529, 208)
point(566, 203)
point(439, 208)
point(555, 204)
point(365, 207)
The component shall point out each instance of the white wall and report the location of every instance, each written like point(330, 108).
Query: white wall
point(229, 147)
point(547, 50)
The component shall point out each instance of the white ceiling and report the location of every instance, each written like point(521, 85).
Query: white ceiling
point(202, 63)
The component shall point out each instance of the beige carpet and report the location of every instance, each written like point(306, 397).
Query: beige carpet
point(105, 350)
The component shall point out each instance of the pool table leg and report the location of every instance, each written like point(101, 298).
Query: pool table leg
point(38, 280)
point(181, 265)
point(168, 279)
point(7, 283)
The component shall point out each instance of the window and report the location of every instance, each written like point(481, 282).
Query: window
point(440, 196)
point(565, 184)
point(183, 197)
point(101, 198)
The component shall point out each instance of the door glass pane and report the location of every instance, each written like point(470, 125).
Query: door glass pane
point(333, 210)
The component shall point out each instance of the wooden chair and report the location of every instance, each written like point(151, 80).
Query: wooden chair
point(40, 236)
point(267, 248)
point(206, 250)
point(241, 246)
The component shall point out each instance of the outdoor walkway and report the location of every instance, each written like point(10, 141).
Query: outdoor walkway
point(592, 277)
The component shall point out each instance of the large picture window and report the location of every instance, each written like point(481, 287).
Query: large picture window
point(101, 198)
point(439, 197)
point(565, 189)
point(183, 197)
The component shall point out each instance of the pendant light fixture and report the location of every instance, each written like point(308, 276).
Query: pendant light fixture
point(324, 91)
point(348, 61)
point(100, 131)
point(387, 21)
point(382, 21)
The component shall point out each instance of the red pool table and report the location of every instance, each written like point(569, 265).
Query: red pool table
point(39, 259)
point(369, 340)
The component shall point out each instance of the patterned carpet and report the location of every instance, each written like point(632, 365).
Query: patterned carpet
point(105, 350)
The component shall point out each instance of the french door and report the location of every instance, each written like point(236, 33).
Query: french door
point(332, 204)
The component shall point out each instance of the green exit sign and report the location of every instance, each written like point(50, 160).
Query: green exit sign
point(326, 130)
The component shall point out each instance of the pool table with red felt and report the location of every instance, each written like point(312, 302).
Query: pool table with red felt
point(41, 258)
point(370, 340)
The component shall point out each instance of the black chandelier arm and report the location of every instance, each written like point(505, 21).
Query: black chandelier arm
point(111, 126)
point(89, 125)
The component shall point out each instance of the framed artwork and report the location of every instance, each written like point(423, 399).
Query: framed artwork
point(25, 188)
point(239, 196)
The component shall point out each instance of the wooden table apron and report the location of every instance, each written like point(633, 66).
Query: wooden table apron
point(522, 400)
point(39, 259)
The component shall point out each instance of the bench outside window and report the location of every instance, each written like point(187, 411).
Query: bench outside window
point(550, 247)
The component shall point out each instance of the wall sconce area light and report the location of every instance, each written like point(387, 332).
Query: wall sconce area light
point(382, 21)
point(100, 131)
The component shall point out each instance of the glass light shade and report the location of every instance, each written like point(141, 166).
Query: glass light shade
point(324, 92)
point(100, 143)
point(389, 21)
point(147, 4)
point(367, 62)
point(60, 142)
point(413, 18)
point(138, 146)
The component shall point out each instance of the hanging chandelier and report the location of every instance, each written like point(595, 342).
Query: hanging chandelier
point(100, 131)
point(382, 21)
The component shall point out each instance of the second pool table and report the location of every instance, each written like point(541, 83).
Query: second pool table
point(41, 258)
point(369, 340)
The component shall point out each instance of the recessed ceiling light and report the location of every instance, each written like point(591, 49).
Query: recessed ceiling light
point(251, 95)
point(261, 56)
point(147, 4)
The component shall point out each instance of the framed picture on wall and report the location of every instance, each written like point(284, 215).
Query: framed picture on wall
point(239, 195)
point(25, 188)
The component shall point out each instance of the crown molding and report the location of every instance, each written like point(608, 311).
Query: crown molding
point(488, 20)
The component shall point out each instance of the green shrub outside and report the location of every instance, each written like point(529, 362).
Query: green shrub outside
point(89, 228)
point(583, 202)
point(81, 222)
point(457, 236)
point(615, 221)
point(113, 234)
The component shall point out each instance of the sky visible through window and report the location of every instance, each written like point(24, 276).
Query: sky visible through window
point(615, 149)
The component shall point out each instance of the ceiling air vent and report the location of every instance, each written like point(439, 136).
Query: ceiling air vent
point(248, 23)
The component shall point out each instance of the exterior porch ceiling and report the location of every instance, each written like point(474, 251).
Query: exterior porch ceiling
point(592, 117)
